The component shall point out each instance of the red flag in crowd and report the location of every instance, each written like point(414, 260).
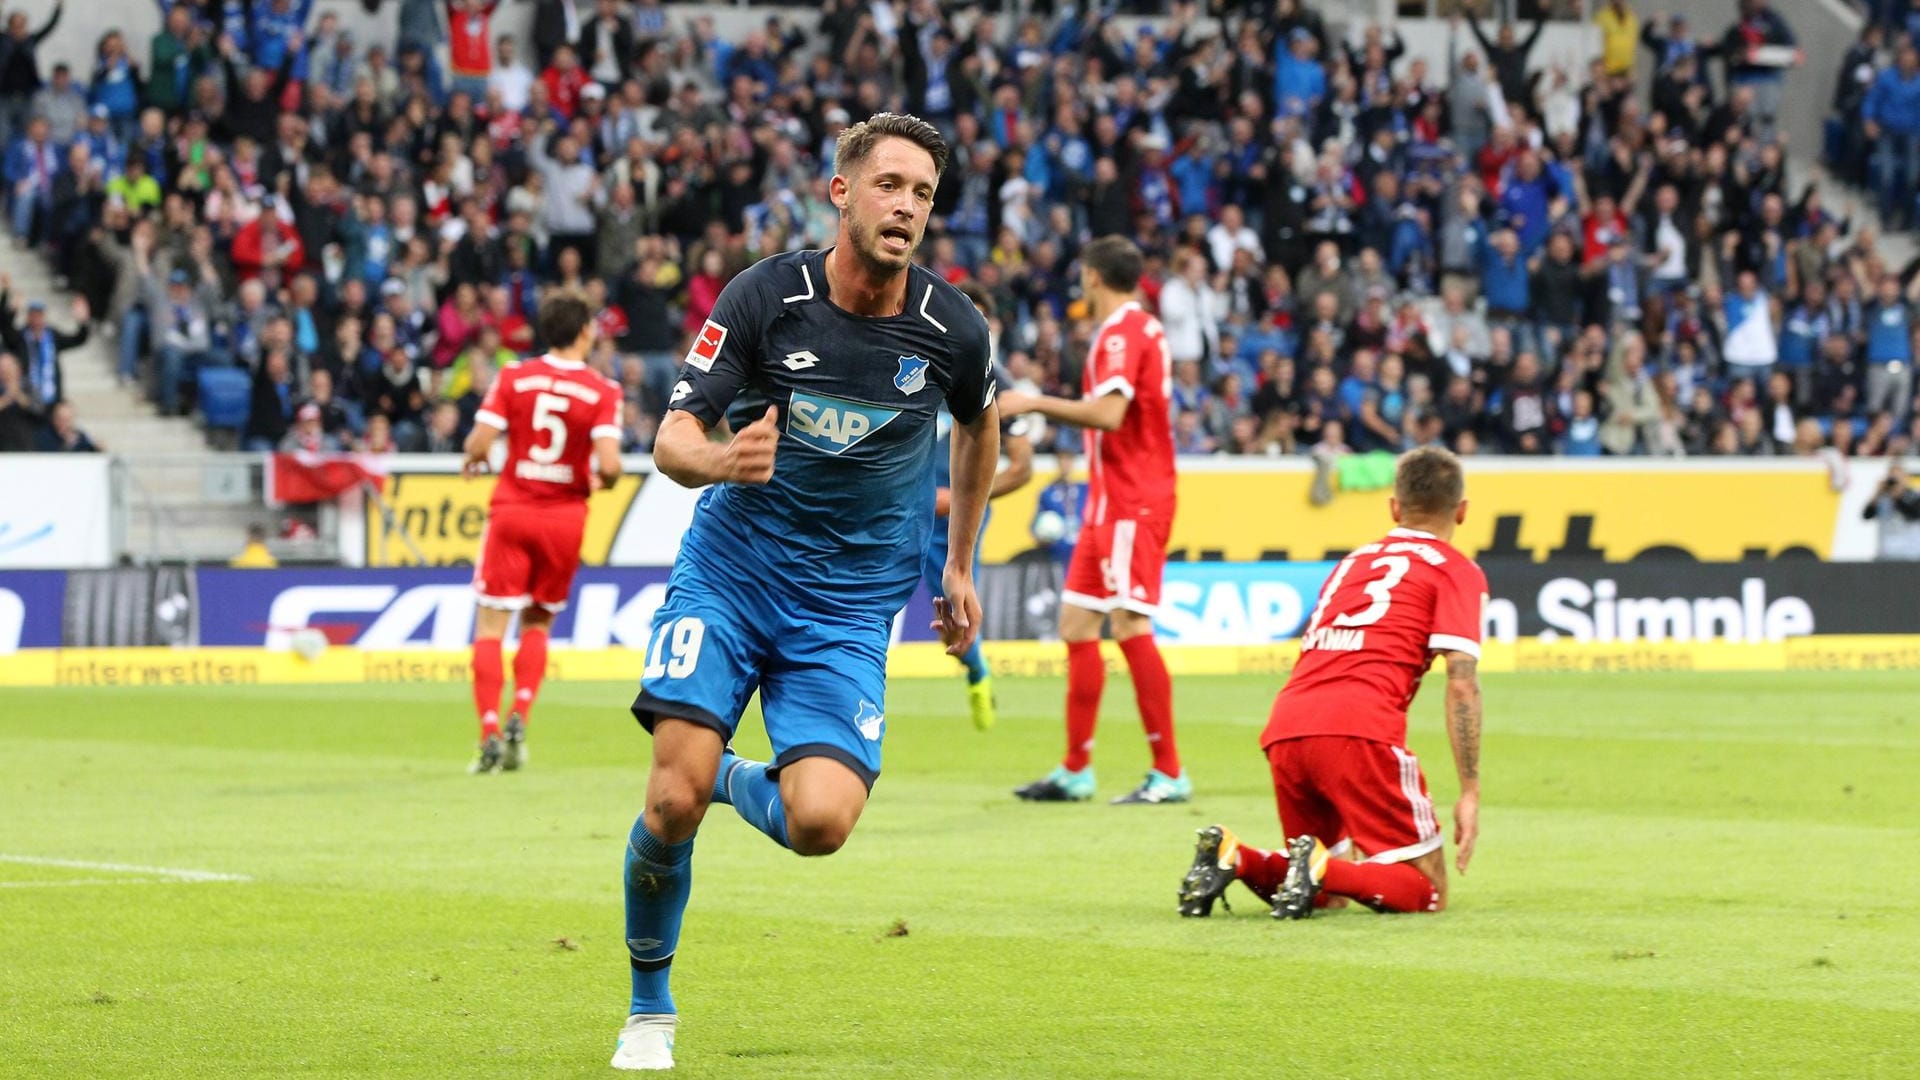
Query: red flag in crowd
point(302, 478)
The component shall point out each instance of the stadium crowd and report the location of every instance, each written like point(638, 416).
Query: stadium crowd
point(321, 242)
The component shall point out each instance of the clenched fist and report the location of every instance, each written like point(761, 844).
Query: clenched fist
point(749, 457)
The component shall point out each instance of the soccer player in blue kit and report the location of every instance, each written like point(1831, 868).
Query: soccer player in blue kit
point(1015, 469)
point(790, 576)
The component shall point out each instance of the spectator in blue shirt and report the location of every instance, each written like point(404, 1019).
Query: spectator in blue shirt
point(1890, 327)
point(116, 84)
point(1582, 438)
point(1891, 120)
point(1504, 277)
point(1299, 82)
point(1066, 499)
point(1192, 175)
point(1526, 200)
point(1357, 387)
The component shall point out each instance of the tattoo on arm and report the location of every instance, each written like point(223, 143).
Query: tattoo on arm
point(1464, 697)
point(1466, 738)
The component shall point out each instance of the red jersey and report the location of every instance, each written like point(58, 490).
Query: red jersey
point(1385, 611)
point(1130, 470)
point(469, 36)
point(551, 411)
point(563, 88)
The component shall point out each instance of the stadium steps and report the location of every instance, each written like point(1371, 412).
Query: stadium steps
point(117, 417)
point(179, 503)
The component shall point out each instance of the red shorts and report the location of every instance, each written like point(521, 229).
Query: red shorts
point(1118, 564)
point(1354, 792)
point(528, 555)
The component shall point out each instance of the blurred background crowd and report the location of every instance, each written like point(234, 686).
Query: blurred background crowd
point(312, 240)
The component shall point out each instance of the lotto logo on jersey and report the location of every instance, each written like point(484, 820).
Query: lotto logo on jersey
point(834, 424)
point(706, 347)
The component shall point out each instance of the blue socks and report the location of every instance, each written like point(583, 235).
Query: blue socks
point(976, 662)
point(658, 878)
point(755, 796)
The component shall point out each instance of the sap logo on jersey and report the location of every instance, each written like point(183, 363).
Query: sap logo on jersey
point(834, 424)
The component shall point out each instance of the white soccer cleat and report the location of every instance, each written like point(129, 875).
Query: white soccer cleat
point(646, 1043)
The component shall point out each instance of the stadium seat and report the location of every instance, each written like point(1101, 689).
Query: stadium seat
point(226, 396)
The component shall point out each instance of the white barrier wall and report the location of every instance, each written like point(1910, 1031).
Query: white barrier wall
point(56, 511)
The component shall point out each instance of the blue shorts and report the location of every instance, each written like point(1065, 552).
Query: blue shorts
point(933, 565)
point(822, 680)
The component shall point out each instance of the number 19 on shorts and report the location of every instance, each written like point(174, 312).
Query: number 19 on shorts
point(675, 648)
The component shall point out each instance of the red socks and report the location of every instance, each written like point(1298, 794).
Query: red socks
point(487, 677)
point(1382, 886)
point(1153, 690)
point(1086, 677)
point(529, 667)
point(1261, 871)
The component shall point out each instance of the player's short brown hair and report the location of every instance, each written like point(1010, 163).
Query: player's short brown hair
point(564, 316)
point(856, 143)
point(1429, 481)
point(1115, 261)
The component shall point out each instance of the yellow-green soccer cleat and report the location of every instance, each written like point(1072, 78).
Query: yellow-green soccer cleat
point(488, 759)
point(980, 703)
point(1306, 869)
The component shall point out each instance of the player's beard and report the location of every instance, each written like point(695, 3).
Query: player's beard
point(867, 245)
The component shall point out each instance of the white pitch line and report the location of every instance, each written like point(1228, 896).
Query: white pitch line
point(168, 872)
point(72, 882)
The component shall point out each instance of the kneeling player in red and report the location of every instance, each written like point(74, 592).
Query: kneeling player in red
point(1350, 794)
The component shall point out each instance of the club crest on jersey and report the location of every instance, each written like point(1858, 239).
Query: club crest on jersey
point(868, 720)
point(706, 347)
point(833, 424)
point(913, 375)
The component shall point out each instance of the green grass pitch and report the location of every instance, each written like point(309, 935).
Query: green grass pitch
point(1678, 876)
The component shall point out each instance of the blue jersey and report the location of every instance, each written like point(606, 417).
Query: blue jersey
point(841, 527)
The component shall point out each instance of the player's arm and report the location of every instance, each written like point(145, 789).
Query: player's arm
point(1463, 732)
point(976, 454)
point(975, 457)
point(1017, 469)
point(1104, 412)
point(488, 423)
point(715, 371)
point(606, 434)
point(683, 451)
point(606, 462)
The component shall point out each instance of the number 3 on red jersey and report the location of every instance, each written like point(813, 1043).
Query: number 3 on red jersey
point(1445, 590)
point(1379, 590)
